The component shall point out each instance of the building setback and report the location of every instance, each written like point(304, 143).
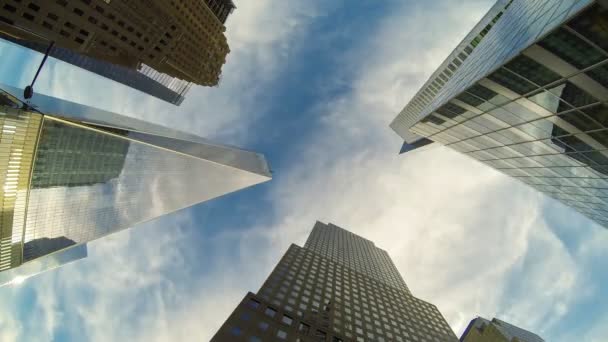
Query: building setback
point(181, 38)
point(483, 330)
point(526, 92)
point(75, 174)
point(338, 287)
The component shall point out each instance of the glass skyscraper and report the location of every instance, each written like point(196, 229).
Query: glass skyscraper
point(75, 174)
point(526, 92)
point(483, 330)
point(338, 287)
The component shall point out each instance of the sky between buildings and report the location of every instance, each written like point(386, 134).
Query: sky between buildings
point(314, 84)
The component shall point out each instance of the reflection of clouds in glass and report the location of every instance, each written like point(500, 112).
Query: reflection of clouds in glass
point(156, 181)
point(18, 275)
point(150, 182)
point(73, 212)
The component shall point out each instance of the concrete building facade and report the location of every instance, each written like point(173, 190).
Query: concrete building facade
point(339, 287)
point(181, 38)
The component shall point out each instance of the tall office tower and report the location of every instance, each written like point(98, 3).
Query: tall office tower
point(181, 38)
point(146, 79)
point(526, 93)
point(75, 174)
point(338, 287)
point(482, 330)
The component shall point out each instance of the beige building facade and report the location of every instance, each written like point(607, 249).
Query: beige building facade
point(181, 38)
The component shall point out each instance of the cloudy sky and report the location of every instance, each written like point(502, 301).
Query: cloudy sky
point(313, 85)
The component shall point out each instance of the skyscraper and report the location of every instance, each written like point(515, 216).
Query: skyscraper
point(181, 38)
point(526, 93)
point(145, 79)
point(221, 8)
point(482, 330)
point(338, 287)
point(75, 174)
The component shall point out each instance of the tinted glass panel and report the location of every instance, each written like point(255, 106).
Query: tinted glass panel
point(511, 81)
point(448, 114)
point(601, 137)
point(469, 99)
point(572, 49)
point(482, 92)
point(599, 113)
point(531, 70)
point(600, 74)
point(580, 121)
point(576, 96)
point(432, 119)
point(593, 24)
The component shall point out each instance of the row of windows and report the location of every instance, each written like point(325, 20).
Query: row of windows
point(425, 96)
point(353, 251)
point(288, 326)
point(530, 123)
point(359, 306)
point(523, 24)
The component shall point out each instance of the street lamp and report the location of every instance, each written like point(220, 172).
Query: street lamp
point(29, 90)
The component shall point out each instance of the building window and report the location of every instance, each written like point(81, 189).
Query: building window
point(571, 49)
point(252, 303)
point(281, 334)
point(263, 326)
point(482, 92)
point(469, 99)
point(28, 16)
point(532, 70)
point(599, 113)
point(10, 8)
point(270, 312)
point(236, 331)
point(304, 328)
point(600, 74)
point(592, 25)
point(33, 7)
point(511, 81)
point(287, 320)
point(576, 96)
point(255, 339)
point(246, 316)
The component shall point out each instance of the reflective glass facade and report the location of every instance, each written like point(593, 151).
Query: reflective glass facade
point(327, 292)
point(531, 101)
point(69, 181)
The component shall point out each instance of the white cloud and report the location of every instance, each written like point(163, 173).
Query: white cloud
point(457, 230)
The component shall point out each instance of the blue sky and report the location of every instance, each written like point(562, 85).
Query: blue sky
point(313, 85)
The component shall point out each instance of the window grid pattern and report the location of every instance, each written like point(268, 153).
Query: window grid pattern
point(515, 24)
point(355, 252)
point(542, 117)
point(310, 296)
